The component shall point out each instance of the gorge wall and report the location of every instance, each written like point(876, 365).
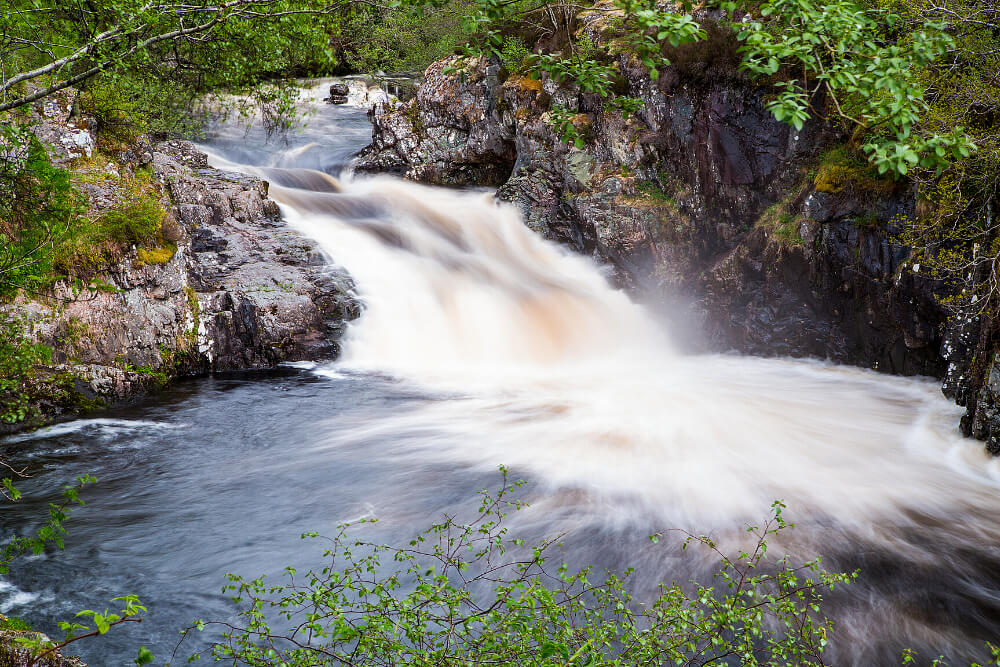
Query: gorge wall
point(773, 241)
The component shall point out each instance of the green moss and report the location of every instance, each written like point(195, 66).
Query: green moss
point(14, 624)
point(652, 191)
point(839, 170)
point(160, 255)
point(782, 225)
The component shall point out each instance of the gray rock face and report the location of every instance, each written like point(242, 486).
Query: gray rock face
point(241, 291)
point(264, 294)
point(450, 133)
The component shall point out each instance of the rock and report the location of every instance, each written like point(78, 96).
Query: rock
point(339, 93)
point(451, 133)
point(240, 291)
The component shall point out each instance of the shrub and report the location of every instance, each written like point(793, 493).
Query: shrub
point(18, 358)
point(470, 594)
point(38, 208)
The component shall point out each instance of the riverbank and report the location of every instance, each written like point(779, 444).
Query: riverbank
point(220, 282)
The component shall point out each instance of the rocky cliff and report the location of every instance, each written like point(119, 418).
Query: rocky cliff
point(233, 288)
point(773, 240)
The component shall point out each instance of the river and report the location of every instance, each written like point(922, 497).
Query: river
point(482, 345)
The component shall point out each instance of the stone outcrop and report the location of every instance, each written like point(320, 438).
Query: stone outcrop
point(450, 133)
point(700, 199)
point(236, 288)
point(11, 655)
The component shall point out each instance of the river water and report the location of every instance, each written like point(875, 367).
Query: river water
point(482, 345)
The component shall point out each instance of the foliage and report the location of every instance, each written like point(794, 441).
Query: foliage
point(18, 358)
point(132, 612)
point(953, 231)
point(563, 122)
point(38, 207)
point(514, 54)
point(470, 593)
point(652, 26)
point(870, 82)
point(580, 68)
point(52, 530)
point(400, 39)
point(148, 64)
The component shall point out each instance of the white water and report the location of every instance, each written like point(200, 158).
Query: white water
point(540, 365)
point(554, 371)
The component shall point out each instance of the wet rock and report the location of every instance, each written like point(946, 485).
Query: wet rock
point(339, 93)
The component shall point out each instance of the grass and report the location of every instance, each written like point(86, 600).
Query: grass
point(14, 624)
point(136, 220)
point(781, 224)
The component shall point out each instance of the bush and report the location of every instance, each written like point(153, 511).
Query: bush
point(121, 115)
point(18, 358)
point(470, 594)
point(38, 208)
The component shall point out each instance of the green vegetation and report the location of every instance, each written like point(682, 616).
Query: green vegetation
point(160, 255)
point(869, 74)
point(840, 171)
point(781, 224)
point(14, 624)
point(471, 593)
point(18, 379)
point(51, 533)
point(403, 38)
point(94, 244)
point(571, 127)
point(38, 208)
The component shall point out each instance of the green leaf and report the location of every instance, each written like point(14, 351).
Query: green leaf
point(145, 656)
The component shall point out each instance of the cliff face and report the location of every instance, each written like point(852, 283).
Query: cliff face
point(237, 289)
point(701, 198)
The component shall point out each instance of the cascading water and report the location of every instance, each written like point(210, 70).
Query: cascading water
point(481, 344)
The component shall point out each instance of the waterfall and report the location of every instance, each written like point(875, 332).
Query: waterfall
point(537, 362)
